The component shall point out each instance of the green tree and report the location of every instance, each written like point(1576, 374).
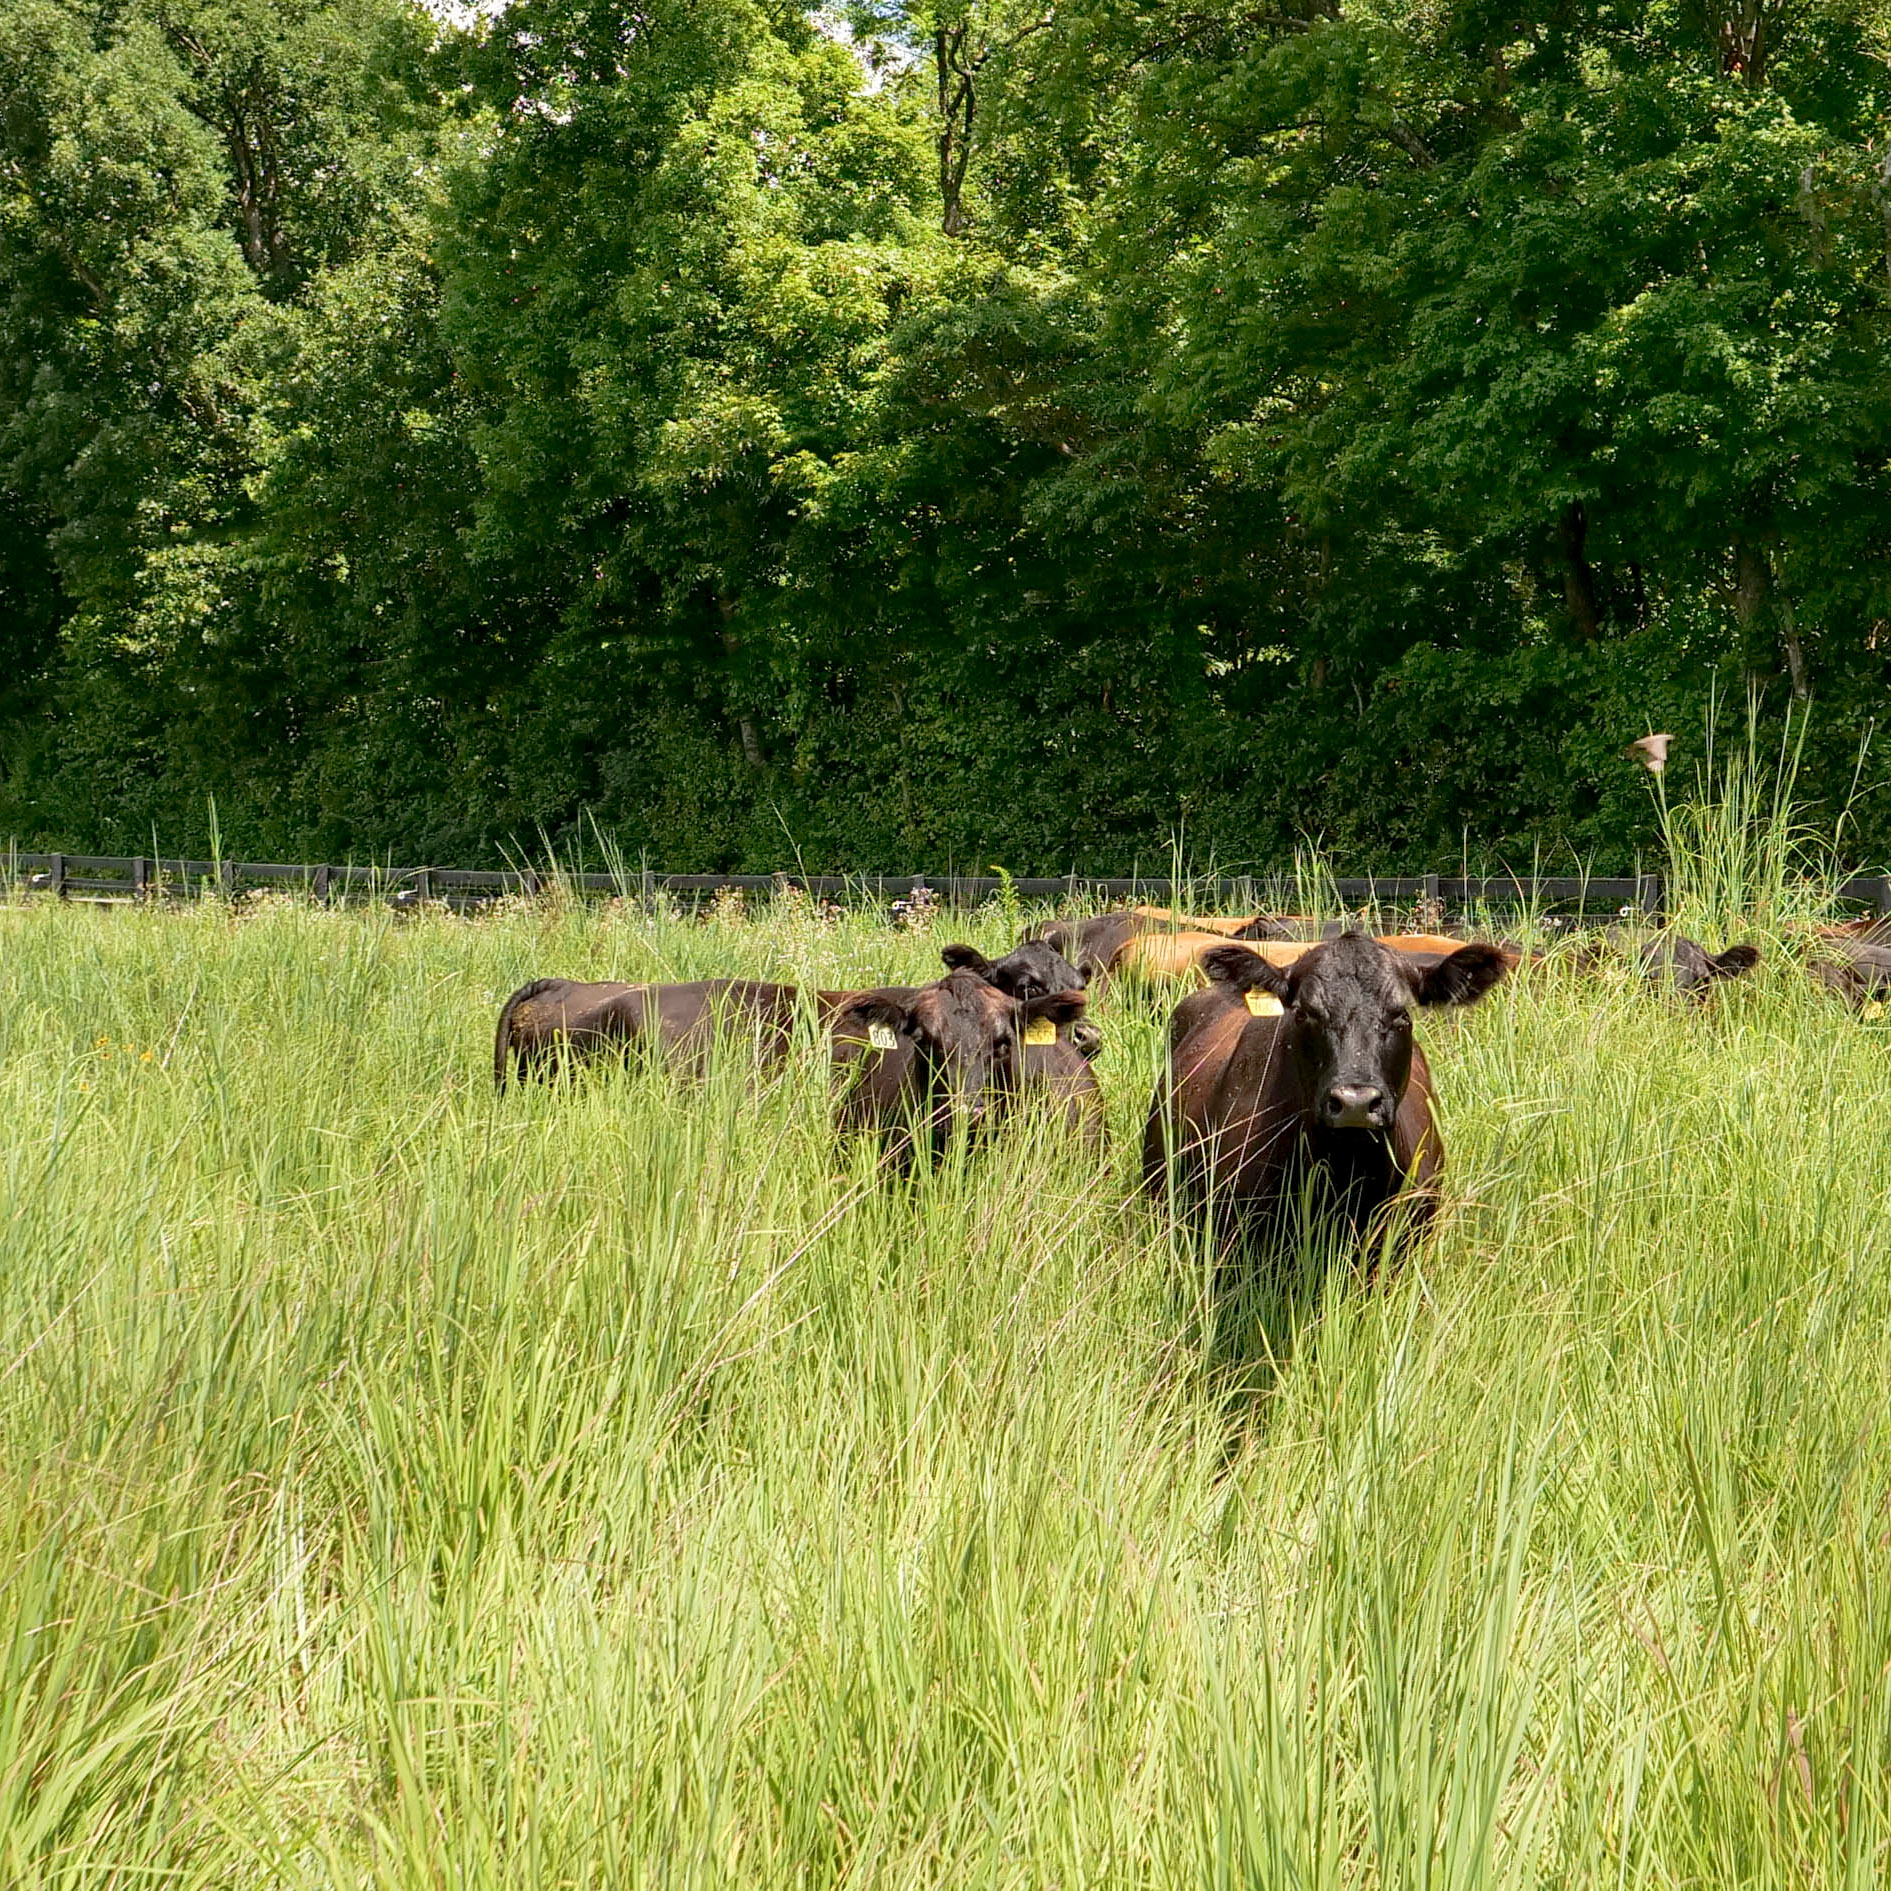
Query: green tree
point(673, 286)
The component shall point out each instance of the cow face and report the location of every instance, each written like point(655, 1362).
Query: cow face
point(966, 1040)
point(1032, 970)
point(1347, 1017)
point(1677, 964)
point(1035, 969)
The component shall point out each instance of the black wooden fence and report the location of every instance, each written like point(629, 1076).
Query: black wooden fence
point(112, 877)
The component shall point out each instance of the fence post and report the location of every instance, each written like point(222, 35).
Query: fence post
point(1882, 898)
point(423, 883)
point(321, 885)
point(1434, 901)
point(226, 878)
point(140, 877)
point(1648, 895)
point(56, 877)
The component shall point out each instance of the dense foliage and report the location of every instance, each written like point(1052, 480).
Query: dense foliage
point(955, 432)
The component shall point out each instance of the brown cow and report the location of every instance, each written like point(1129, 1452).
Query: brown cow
point(1279, 1076)
point(1259, 926)
point(1097, 946)
point(924, 1063)
point(1155, 956)
point(1856, 969)
point(1152, 957)
point(1671, 961)
point(554, 1019)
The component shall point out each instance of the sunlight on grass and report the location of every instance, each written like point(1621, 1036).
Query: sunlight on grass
point(616, 1483)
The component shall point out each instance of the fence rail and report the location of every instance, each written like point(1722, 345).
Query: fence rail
point(144, 877)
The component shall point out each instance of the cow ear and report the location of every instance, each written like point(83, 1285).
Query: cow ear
point(1736, 961)
point(964, 958)
point(1465, 975)
point(1061, 1007)
point(891, 1008)
point(1246, 971)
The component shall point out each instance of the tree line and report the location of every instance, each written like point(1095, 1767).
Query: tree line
point(934, 432)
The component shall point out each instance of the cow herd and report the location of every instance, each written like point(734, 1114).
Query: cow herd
point(1291, 1072)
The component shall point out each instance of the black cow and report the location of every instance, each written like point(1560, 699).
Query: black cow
point(1280, 1075)
point(1677, 963)
point(1856, 969)
point(922, 1064)
point(553, 1020)
point(1034, 969)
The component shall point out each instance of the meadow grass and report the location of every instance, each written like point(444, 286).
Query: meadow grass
point(621, 1484)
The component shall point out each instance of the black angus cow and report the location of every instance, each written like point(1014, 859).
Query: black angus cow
point(1092, 944)
point(1281, 1076)
point(1033, 969)
point(1857, 970)
point(1679, 964)
point(1095, 945)
point(1670, 961)
point(922, 1064)
point(555, 1020)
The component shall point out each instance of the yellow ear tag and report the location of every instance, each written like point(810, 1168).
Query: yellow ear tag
point(1040, 1031)
point(1264, 1004)
point(881, 1037)
point(1873, 1010)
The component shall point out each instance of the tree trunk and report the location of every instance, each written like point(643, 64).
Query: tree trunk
point(1743, 46)
point(745, 728)
point(957, 103)
point(1755, 595)
point(1579, 582)
point(1795, 651)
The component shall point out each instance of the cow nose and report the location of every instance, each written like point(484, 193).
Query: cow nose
point(1356, 1106)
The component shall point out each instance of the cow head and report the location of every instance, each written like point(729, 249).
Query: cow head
point(1032, 970)
point(1347, 1017)
point(1677, 964)
point(1035, 969)
point(966, 1038)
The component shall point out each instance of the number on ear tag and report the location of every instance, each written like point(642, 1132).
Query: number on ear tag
point(1040, 1031)
point(881, 1037)
point(1873, 1010)
point(1263, 1004)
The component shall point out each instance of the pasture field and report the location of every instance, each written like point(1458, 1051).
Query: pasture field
point(617, 1484)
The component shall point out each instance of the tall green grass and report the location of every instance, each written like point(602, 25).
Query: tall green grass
point(1736, 850)
point(615, 1484)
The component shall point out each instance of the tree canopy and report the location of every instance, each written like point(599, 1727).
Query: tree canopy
point(932, 432)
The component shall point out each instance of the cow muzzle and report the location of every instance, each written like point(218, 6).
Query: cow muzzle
point(1356, 1106)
